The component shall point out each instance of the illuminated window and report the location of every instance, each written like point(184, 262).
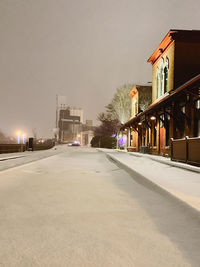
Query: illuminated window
point(165, 79)
point(166, 75)
point(161, 77)
point(135, 107)
point(155, 135)
point(157, 83)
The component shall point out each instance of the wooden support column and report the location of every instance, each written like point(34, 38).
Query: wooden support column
point(157, 134)
point(192, 120)
point(142, 135)
point(171, 123)
point(187, 114)
point(152, 134)
point(164, 134)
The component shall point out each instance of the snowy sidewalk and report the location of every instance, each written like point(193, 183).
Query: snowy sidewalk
point(181, 183)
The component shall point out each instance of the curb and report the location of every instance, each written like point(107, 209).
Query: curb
point(14, 157)
point(139, 178)
point(170, 163)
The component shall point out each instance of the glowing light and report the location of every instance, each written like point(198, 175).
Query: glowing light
point(139, 123)
point(153, 118)
point(122, 140)
point(18, 137)
point(23, 138)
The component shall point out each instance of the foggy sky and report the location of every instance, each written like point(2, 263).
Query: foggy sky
point(83, 49)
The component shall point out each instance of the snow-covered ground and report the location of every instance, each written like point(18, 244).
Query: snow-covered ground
point(180, 182)
point(10, 160)
point(77, 208)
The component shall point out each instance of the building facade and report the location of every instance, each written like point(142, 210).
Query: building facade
point(141, 97)
point(175, 109)
point(69, 126)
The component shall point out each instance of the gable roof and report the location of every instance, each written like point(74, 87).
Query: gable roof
point(170, 37)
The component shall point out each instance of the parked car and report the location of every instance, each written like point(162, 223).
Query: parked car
point(75, 143)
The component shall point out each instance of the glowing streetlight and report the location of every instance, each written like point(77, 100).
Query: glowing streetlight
point(18, 137)
point(23, 138)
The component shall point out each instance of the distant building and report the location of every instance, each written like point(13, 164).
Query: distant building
point(69, 126)
point(89, 122)
point(77, 112)
point(86, 137)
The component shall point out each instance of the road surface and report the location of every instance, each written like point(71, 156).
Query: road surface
point(77, 208)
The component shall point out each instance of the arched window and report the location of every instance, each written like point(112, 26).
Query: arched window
point(157, 83)
point(161, 77)
point(166, 75)
point(165, 79)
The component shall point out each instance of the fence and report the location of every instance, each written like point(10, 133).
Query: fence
point(186, 150)
point(10, 148)
point(41, 144)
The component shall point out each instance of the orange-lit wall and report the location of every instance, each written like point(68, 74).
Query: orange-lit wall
point(169, 52)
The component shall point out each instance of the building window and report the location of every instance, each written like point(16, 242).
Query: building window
point(135, 107)
point(155, 135)
point(165, 79)
point(157, 83)
point(166, 74)
point(161, 77)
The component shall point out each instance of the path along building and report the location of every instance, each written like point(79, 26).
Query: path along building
point(175, 108)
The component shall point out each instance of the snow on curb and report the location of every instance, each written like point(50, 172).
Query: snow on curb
point(143, 180)
point(164, 160)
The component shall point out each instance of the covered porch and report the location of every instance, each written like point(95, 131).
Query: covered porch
point(174, 115)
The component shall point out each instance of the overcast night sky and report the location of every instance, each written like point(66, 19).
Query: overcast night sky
point(83, 49)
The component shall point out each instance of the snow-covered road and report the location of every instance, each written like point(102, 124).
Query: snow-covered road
point(76, 208)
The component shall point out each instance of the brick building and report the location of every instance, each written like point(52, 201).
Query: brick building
point(175, 109)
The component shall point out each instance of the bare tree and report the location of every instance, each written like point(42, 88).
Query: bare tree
point(6, 139)
point(109, 125)
point(120, 105)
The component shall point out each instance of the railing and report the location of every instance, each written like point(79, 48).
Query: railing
point(186, 150)
point(10, 148)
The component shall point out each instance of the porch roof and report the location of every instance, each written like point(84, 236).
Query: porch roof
point(162, 101)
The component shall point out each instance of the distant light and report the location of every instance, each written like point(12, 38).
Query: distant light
point(18, 137)
point(122, 140)
point(153, 118)
point(23, 138)
point(139, 123)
